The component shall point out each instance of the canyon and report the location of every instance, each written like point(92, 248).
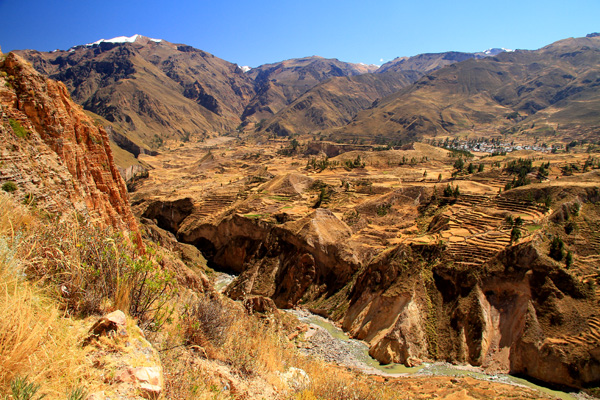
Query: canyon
point(322, 187)
point(418, 276)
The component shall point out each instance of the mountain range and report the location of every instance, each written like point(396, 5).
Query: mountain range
point(149, 91)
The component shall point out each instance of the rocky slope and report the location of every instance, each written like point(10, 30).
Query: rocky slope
point(52, 151)
point(279, 84)
point(336, 101)
point(154, 90)
point(535, 92)
point(427, 62)
point(476, 299)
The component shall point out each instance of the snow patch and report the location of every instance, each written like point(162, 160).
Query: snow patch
point(121, 39)
point(245, 68)
point(495, 50)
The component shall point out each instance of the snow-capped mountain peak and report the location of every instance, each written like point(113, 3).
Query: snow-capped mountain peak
point(495, 50)
point(121, 39)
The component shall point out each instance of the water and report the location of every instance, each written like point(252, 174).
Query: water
point(222, 280)
point(360, 351)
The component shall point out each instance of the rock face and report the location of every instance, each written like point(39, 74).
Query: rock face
point(294, 261)
point(54, 153)
point(519, 311)
point(289, 262)
point(154, 90)
point(119, 347)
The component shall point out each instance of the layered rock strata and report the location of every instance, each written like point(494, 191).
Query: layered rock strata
point(52, 151)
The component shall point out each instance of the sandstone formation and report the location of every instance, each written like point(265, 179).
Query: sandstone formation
point(54, 153)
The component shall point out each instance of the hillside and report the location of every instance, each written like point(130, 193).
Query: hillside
point(88, 314)
point(530, 92)
point(426, 62)
point(53, 153)
point(279, 84)
point(155, 90)
point(336, 101)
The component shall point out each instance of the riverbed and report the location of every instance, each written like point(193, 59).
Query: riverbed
point(325, 340)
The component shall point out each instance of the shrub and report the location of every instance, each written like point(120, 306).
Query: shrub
point(9, 186)
point(90, 266)
point(448, 191)
point(227, 333)
point(569, 260)
point(515, 234)
point(21, 389)
point(18, 129)
point(570, 227)
point(383, 209)
point(518, 221)
point(207, 322)
point(557, 249)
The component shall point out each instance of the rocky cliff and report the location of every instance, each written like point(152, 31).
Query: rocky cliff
point(508, 308)
point(53, 153)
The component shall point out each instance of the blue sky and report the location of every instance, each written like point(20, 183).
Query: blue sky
point(257, 32)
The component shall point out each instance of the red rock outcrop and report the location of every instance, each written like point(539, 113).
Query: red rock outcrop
point(54, 153)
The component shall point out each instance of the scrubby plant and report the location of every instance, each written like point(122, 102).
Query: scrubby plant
point(383, 209)
point(18, 128)
point(22, 389)
point(557, 248)
point(92, 265)
point(34, 341)
point(207, 322)
point(9, 186)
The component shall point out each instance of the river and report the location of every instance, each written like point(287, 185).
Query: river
point(357, 356)
point(334, 345)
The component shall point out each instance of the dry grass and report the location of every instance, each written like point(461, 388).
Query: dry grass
point(220, 336)
point(35, 341)
point(227, 333)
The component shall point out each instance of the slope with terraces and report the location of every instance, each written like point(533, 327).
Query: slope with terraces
point(474, 228)
point(379, 250)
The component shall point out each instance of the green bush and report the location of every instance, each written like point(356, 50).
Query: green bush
point(91, 266)
point(18, 129)
point(557, 251)
point(515, 234)
point(21, 389)
point(569, 260)
point(9, 186)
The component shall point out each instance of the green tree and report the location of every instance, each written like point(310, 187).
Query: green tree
point(518, 221)
point(456, 192)
point(557, 251)
point(569, 259)
point(448, 192)
point(459, 164)
point(515, 234)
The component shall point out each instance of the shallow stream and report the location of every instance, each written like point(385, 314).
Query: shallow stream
point(355, 353)
point(360, 352)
